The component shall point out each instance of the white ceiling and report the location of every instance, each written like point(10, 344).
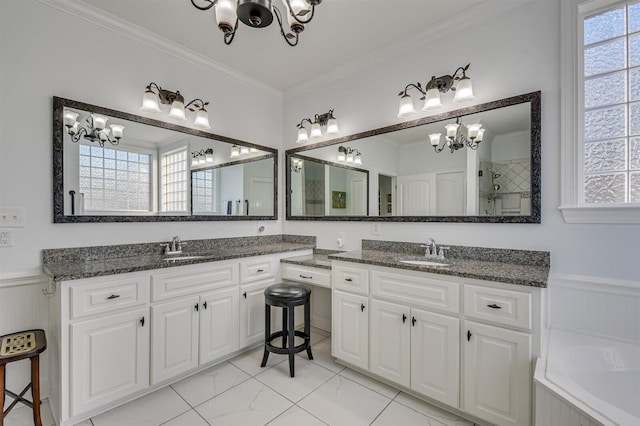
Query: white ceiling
point(342, 32)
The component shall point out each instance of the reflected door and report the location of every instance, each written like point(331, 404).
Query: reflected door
point(358, 206)
point(260, 197)
point(450, 194)
point(416, 193)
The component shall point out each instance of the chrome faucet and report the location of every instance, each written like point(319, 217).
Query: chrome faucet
point(430, 247)
point(174, 247)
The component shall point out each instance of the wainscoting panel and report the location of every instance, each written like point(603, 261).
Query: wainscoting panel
point(551, 410)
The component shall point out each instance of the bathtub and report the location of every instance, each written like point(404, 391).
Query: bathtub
point(597, 381)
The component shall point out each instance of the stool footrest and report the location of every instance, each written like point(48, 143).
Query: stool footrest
point(285, 350)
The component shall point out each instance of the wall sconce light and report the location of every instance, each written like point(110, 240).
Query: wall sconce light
point(458, 82)
point(177, 110)
point(200, 158)
point(96, 130)
point(349, 155)
point(258, 14)
point(455, 139)
point(326, 120)
point(296, 165)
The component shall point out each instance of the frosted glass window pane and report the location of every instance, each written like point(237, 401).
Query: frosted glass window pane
point(121, 155)
point(109, 164)
point(133, 156)
point(606, 90)
point(634, 154)
point(96, 151)
point(85, 150)
point(109, 153)
point(96, 162)
point(85, 171)
point(606, 123)
point(605, 188)
point(634, 183)
point(634, 84)
point(604, 26)
point(634, 119)
point(610, 56)
point(96, 173)
point(634, 50)
point(605, 156)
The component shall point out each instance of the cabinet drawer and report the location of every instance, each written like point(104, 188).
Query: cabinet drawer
point(350, 278)
point(498, 306)
point(100, 295)
point(307, 274)
point(416, 289)
point(187, 280)
point(257, 269)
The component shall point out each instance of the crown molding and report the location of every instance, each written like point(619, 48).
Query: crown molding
point(439, 30)
point(154, 40)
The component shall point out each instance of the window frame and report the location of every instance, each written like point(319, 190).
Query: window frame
point(572, 206)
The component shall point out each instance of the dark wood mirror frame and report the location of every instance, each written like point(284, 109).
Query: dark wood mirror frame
point(534, 98)
point(58, 168)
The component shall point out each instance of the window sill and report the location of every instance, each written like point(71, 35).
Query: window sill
point(601, 214)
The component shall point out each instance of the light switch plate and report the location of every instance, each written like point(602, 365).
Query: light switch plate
point(11, 217)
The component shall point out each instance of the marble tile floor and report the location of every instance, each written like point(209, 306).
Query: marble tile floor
point(239, 392)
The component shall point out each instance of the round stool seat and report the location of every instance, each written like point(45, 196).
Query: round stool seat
point(286, 294)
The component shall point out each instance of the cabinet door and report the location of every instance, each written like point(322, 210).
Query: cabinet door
point(350, 328)
point(497, 369)
point(218, 324)
point(252, 312)
point(435, 356)
point(110, 359)
point(174, 341)
point(390, 354)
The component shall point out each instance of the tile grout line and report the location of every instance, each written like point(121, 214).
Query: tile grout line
point(382, 411)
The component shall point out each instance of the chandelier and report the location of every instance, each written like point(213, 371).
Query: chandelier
point(347, 154)
point(95, 130)
point(326, 121)
point(259, 14)
point(177, 109)
point(455, 139)
point(202, 157)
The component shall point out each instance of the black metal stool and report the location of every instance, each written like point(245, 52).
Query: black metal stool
point(15, 347)
point(287, 297)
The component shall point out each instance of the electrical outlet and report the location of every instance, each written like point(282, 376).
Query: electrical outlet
point(12, 217)
point(376, 229)
point(6, 238)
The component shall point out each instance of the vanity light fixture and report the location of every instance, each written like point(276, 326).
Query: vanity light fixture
point(259, 14)
point(458, 82)
point(349, 155)
point(296, 165)
point(200, 158)
point(455, 139)
point(177, 109)
point(326, 120)
point(96, 129)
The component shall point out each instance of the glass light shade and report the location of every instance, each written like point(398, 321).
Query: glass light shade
point(244, 150)
point(357, 159)
point(74, 129)
point(209, 157)
point(117, 130)
point(464, 90)
point(103, 135)
point(332, 126)
point(452, 129)
point(194, 161)
point(473, 129)
point(406, 107)
point(349, 157)
point(480, 136)
point(177, 110)
point(316, 131)
point(434, 138)
point(202, 119)
point(69, 118)
point(302, 135)
point(99, 121)
point(150, 102)
point(297, 6)
point(226, 13)
point(341, 156)
point(432, 99)
point(235, 151)
point(252, 150)
point(201, 159)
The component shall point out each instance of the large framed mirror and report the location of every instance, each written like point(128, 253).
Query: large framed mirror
point(111, 166)
point(434, 169)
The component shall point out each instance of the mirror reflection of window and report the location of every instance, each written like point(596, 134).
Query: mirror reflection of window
point(205, 190)
point(174, 181)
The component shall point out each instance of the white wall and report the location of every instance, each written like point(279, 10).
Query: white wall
point(512, 53)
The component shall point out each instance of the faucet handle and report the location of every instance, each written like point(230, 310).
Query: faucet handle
point(441, 251)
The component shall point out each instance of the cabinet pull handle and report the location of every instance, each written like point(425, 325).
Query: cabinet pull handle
point(413, 321)
point(404, 318)
point(494, 306)
point(113, 296)
point(204, 305)
point(197, 307)
point(305, 277)
point(142, 321)
point(468, 335)
point(362, 307)
point(244, 294)
point(348, 280)
point(260, 270)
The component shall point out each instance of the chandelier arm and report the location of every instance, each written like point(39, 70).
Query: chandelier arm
point(285, 35)
point(410, 85)
point(197, 103)
point(76, 136)
point(299, 21)
point(211, 4)
point(152, 84)
point(228, 37)
point(463, 69)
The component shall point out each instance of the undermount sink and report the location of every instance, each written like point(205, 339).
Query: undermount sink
point(180, 258)
point(423, 263)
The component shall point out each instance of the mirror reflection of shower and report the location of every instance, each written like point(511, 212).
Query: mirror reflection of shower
point(491, 199)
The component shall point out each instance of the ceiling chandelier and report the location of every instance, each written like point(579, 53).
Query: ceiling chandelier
point(455, 139)
point(259, 14)
point(96, 129)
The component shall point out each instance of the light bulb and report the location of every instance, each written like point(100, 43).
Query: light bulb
point(150, 102)
point(464, 90)
point(406, 106)
point(302, 135)
point(202, 119)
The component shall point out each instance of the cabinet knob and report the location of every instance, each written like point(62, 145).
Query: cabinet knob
point(404, 318)
point(113, 296)
point(260, 270)
point(204, 305)
point(305, 277)
point(494, 306)
point(142, 321)
point(197, 307)
point(244, 294)
point(362, 307)
point(468, 335)
point(348, 280)
point(413, 321)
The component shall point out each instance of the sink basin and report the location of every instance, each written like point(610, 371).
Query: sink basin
point(423, 263)
point(181, 258)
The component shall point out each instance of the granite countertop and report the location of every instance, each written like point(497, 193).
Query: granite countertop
point(319, 259)
point(95, 267)
point(531, 275)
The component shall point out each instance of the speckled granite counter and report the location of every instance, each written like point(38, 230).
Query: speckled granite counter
point(85, 262)
point(520, 267)
point(319, 259)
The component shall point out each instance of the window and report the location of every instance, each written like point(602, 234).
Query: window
point(174, 181)
point(114, 179)
point(204, 191)
point(601, 111)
